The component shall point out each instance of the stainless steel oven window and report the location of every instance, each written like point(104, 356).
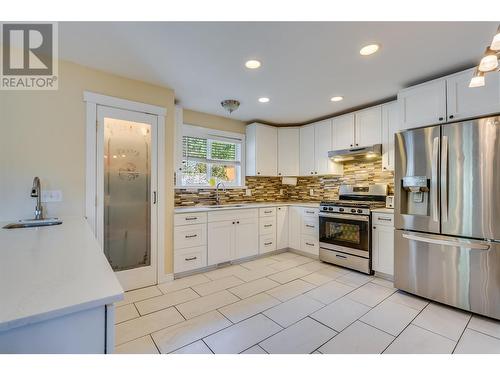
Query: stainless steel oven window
point(350, 231)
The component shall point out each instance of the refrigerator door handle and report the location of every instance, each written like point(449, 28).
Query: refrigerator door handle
point(447, 242)
point(444, 179)
point(434, 179)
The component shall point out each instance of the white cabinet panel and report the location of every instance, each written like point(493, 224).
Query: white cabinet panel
point(368, 127)
point(267, 244)
point(282, 227)
point(323, 144)
point(390, 126)
point(190, 259)
point(191, 218)
point(294, 227)
point(423, 104)
point(267, 225)
point(466, 102)
point(310, 244)
point(246, 238)
point(190, 236)
point(261, 150)
point(220, 242)
point(343, 132)
point(307, 154)
point(383, 249)
point(288, 151)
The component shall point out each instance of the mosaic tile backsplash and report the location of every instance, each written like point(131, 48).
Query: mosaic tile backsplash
point(270, 189)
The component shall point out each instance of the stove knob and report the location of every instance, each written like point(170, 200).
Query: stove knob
point(360, 211)
point(341, 210)
point(325, 208)
point(353, 210)
point(330, 208)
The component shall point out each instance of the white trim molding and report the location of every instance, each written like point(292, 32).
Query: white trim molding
point(110, 101)
point(93, 101)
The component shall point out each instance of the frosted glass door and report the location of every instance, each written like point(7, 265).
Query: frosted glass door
point(128, 194)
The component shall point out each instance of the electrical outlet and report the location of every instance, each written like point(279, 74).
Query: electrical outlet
point(311, 192)
point(281, 191)
point(248, 192)
point(51, 196)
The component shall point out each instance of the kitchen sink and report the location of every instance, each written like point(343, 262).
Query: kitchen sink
point(30, 223)
point(227, 206)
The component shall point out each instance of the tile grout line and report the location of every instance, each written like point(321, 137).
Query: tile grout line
point(461, 334)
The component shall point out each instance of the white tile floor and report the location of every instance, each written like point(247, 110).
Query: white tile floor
point(288, 303)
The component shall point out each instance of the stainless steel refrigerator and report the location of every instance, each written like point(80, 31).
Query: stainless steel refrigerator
point(447, 214)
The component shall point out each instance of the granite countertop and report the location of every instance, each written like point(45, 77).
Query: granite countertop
point(48, 272)
point(241, 206)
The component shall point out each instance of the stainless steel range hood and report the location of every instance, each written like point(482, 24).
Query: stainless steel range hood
point(357, 153)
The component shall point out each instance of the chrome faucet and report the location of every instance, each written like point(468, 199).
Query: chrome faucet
point(217, 197)
point(36, 192)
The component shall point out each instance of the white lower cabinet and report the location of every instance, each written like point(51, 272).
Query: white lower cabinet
point(294, 227)
point(282, 227)
point(232, 234)
point(267, 229)
point(309, 231)
point(383, 243)
point(190, 242)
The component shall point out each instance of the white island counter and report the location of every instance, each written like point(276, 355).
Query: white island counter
point(57, 290)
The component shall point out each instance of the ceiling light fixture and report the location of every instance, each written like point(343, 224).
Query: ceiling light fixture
point(477, 79)
point(264, 100)
point(230, 105)
point(336, 98)
point(253, 64)
point(369, 49)
point(488, 63)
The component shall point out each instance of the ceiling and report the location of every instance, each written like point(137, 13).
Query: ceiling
point(304, 64)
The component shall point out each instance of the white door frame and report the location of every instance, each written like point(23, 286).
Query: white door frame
point(92, 100)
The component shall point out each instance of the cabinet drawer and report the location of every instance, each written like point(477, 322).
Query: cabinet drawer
point(267, 225)
point(267, 211)
point(310, 226)
point(190, 259)
point(383, 219)
point(190, 236)
point(267, 243)
point(227, 215)
point(194, 218)
point(310, 212)
point(309, 244)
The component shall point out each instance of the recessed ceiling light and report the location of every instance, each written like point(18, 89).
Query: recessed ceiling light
point(264, 100)
point(369, 49)
point(337, 98)
point(253, 64)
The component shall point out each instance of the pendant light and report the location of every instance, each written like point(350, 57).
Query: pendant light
point(477, 79)
point(489, 62)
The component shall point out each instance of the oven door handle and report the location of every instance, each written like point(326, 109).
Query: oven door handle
point(345, 216)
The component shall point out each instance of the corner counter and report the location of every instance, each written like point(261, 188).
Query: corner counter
point(57, 290)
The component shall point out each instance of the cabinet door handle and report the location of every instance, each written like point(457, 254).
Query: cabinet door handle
point(191, 236)
point(309, 244)
point(267, 243)
point(237, 222)
point(384, 219)
point(451, 116)
point(267, 225)
point(374, 227)
point(190, 218)
point(268, 212)
point(192, 258)
point(340, 256)
point(440, 119)
point(309, 212)
point(154, 197)
point(234, 222)
point(309, 226)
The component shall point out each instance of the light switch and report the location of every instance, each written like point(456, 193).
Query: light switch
point(311, 192)
point(51, 196)
point(248, 192)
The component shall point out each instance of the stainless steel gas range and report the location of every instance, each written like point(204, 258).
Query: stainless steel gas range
point(345, 226)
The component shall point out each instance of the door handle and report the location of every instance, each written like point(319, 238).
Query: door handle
point(268, 225)
point(440, 241)
point(191, 236)
point(434, 178)
point(444, 179)
point(154, 197)
point(341, 256)
point(192, 258)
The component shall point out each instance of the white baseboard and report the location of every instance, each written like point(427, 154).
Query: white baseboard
point(165, 278)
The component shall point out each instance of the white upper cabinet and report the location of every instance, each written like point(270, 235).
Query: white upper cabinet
point(307, 155)
point(288, 151)
point(465, 102)
point(343, 132)
point(261, 150)
point(323, 144)
point(390, 125)
point(368, 127)
point(423, 104)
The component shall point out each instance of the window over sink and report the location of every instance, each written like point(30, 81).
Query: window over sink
point(209, 157)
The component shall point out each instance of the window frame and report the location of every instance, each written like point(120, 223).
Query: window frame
point(211, 134)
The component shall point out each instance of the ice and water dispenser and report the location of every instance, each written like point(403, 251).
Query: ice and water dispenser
point(415, 195)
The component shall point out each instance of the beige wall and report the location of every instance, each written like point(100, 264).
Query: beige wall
point(213, 122)
point(42, 133)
